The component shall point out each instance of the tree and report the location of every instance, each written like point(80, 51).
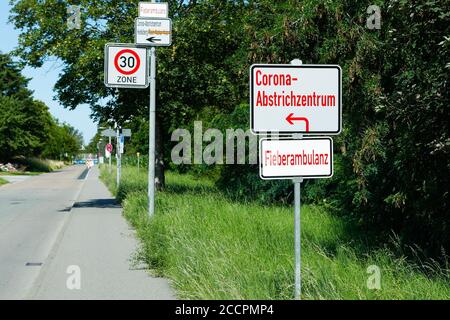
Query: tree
point(24, 122)
point(15, 138)
point(181, 71)
point(64, 141)
point(26, 125)
point(392, 158)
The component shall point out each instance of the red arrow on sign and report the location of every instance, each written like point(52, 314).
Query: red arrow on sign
point(290, 118)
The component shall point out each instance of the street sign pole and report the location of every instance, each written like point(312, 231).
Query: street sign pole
point(276, 90)
point(297, 236)
point(110, 156)
point(152, 132)
point(138, 165)
point(118, 157)
point(297, 224)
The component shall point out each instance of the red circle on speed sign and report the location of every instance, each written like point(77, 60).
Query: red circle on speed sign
point(109, 147)
point(134, 64)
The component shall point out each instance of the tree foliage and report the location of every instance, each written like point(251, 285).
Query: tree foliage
point(26, 126)
point(392, 159)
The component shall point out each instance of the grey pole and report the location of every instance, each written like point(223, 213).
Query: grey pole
point(138, 162)
point(297, 236)
point(110, 155)
point(151, 133)
point(117, 156)
point(297, 229)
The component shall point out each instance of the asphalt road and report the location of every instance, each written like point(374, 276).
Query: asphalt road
point(53, 222)
point(32, 213)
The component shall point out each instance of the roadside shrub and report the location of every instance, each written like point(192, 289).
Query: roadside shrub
point(39, 165)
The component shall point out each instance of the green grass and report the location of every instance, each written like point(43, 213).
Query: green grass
point(215, 248)
point(3, 181)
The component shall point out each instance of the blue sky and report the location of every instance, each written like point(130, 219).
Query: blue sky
point(43, 80)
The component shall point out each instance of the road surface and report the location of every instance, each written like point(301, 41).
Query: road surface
point(62, 236)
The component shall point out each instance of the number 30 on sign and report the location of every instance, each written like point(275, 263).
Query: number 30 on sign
point(125, 66)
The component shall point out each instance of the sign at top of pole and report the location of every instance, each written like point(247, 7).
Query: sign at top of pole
point(125, 66)
point(153, 9)
point(289, 99)
point(153, 32)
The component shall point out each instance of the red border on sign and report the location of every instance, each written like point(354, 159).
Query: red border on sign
point(138, 60)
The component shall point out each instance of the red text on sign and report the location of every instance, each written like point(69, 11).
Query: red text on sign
point(295, 159)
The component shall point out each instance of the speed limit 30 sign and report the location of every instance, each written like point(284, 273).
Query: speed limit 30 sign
point(125, 66)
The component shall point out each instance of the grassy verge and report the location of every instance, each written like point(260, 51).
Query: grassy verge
point(3, 181)
point(214, 248)
point(39, 165)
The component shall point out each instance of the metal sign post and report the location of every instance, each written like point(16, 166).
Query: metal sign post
point(297, 237)
point(118, 156)
point(110, 156)
point(276, 93)
point(126, 67)
point(152, 133)
point(150, 33)
point(138, 165)
point(297, 222)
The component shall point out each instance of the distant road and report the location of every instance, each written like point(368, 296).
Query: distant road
point(32, 213)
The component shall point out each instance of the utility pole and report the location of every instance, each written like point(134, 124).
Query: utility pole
point(110, 155)
point(152, 133)
point(118, 157)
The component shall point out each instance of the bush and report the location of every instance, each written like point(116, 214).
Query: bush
point(39, 165)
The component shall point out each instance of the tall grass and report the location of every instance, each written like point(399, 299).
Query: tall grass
point(3, 181)
point(39, 165)
point(215, 248)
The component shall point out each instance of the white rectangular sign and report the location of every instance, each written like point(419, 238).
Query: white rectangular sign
point(153, 32)
point(126, 132)
point(126, 66)
point(153, 9)
point(291, 158)
point(290, 99)
point(108, 133)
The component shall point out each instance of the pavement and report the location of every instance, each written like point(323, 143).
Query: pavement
point(14, 178)
point(62, 236)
